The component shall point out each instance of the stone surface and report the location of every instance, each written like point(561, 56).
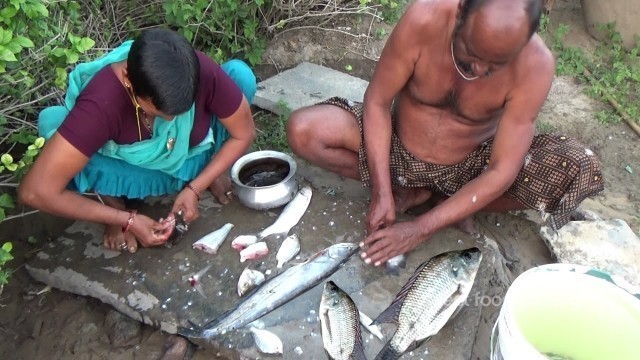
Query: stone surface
point(150, 286)
point(124, 331)
point(609, 245)
point(307, 84)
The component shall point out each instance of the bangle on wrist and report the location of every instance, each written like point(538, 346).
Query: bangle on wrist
point(190, 187)
point(132, 216)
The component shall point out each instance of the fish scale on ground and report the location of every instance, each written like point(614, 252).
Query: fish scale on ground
point(429, 299)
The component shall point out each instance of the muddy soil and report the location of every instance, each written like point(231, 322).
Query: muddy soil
point(54, 324)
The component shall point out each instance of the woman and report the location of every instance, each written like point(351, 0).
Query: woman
point(152, 117)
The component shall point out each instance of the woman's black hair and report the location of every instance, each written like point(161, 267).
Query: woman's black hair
point(163, 67)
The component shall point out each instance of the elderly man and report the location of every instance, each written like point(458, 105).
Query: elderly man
point(451, 110)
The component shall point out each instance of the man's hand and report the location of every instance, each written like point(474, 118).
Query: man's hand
point(382, 213)
point(399, 238)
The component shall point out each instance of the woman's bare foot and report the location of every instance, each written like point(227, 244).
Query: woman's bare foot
point(407, 198)
point(113, 238)
point(221, 189)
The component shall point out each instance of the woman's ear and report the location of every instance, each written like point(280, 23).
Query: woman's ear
point(125, 77)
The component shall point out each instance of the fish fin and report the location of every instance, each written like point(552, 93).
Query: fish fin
point(452, 298)
point(455, 313)
point(200, 290)
point(392, 270)
point(388, 352)
point(391, 313)
point(358, 349)
point(416, 344)
point(328, 355)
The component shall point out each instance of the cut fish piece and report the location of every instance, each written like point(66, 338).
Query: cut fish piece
point(255, 251)
point(211, 242)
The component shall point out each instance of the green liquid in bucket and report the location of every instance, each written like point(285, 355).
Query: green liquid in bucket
point(574, 316)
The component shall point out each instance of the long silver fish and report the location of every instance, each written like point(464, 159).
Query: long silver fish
point(277, 291)
point(428, 300)
point(288, 218)
point(340, 324)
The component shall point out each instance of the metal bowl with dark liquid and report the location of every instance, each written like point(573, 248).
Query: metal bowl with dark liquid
point(265, 179)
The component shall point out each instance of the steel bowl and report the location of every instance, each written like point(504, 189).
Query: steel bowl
point(265, 179)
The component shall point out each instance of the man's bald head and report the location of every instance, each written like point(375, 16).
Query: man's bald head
point(529, 11)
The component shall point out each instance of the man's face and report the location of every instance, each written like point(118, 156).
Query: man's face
point(470, 60)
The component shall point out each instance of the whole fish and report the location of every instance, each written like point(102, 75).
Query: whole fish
point(428, 300)
point(277, 291)
point(340, 324)
point(248, 280)
point(267, 342)
point(289, 248)
point(211, 242)
point(255, 251)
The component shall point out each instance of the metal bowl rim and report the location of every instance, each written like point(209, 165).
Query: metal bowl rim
point(256, 155)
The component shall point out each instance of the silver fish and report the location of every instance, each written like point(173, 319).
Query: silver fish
point(429, 299)
point(373, 329)
point(289, 248)
point(255, 251)
point(340, 325)
point(248, 280)
point(267, 342)
point(289, 217)
point(211, 242)
point(395, 264)
point(277, 291)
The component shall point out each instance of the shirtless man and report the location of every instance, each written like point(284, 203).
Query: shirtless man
point(451, 110)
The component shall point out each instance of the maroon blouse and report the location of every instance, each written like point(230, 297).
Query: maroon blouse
point(104, 111)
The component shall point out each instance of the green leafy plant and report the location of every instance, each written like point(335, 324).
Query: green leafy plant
point(611, 72)
point(5, 256)
point(271, 129)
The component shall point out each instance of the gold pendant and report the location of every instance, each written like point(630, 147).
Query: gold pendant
point(170, 143)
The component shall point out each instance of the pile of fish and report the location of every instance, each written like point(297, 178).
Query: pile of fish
point(433, 294)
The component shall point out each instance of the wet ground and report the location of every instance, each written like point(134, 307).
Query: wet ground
point(151, 285)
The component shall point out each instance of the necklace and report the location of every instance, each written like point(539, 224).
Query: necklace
point(146, 123)
point(138, 108)
point(456, 66)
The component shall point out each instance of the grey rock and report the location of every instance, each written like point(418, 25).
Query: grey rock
point(307, 84)
point(123, 331)
point(608, 245)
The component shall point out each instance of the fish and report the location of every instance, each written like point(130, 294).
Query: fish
point(276, 292)
point(395, 263)
point(340, 324)
point(431, 296)
point(289, 248)
point(248, 280)
point(211, 242)
point(373, 329)
point(255, 251)
point(267, 342)
point(243, 241)
point(290, 215)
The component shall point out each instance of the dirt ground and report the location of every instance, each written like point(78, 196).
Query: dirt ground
point(55, 324)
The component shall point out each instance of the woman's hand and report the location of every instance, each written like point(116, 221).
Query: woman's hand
point(187, 202)
point(149, 232)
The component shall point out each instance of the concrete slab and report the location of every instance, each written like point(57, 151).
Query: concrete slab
point(149, 286)
point(307, 84)
point(609, 245)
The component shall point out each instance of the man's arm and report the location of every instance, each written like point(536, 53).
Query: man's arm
point(395, 67)
point(511, 144)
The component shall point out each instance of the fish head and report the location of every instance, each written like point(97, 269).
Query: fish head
point(465, 264)
point(331, 295)
point(341, 250)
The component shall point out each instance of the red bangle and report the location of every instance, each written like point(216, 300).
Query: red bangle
point(132, 215)
point(194, 191)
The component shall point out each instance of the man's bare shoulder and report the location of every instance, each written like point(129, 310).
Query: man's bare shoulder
point(536, 59)
point(430, 15)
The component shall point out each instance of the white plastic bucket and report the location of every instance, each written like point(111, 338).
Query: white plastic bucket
point(572, 312)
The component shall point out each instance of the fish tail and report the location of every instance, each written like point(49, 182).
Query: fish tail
point(388, 353)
